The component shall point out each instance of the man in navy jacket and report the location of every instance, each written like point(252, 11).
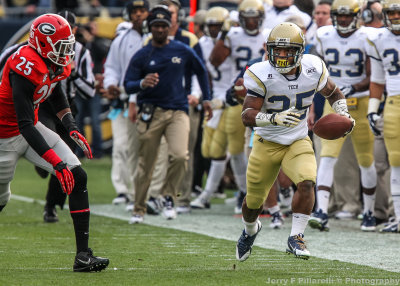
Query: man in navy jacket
point(155, 73)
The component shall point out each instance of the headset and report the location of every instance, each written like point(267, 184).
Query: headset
point(368, 15)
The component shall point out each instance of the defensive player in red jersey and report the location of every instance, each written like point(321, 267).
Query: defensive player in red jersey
point(31, 76)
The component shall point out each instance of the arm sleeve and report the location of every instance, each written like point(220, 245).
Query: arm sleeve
point(22, 91)
point(58, 99)
point(84, 81)
point(201, 73)
point(133, 76)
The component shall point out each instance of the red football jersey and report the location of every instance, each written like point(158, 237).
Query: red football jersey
point(27, 63)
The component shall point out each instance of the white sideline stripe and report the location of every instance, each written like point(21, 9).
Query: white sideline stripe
point(345, 242)
point(27, 199)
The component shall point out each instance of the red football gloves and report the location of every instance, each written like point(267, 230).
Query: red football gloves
point(82, 142)
point(65, 177)
point(63, 173)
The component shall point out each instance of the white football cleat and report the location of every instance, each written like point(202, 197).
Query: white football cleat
point(136, 218)
point(120, 199)
point(168, 210)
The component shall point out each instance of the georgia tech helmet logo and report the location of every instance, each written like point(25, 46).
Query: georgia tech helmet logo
point(47, 29)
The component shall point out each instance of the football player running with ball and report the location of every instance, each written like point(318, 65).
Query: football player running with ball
point(31, 76)
point(279, 94)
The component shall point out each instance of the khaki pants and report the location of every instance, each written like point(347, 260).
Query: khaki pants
point(124, 154)
point(160, 170)
point(383, 208)
point(186, 186)
point(174, 125)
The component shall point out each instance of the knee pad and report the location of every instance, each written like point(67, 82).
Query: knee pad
point(365, 160)
point(368, 176)
point(217, 147)
point(254, 202)
point(206, 142)
point(236, 146)
point(80, 178)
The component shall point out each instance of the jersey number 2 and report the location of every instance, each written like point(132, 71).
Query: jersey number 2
point(27, 69)
point(299, 103)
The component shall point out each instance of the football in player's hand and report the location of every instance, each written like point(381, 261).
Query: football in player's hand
point(332, 126)
point(240, 90)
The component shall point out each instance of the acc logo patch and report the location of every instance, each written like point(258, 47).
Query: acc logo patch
point(311, 70)
point(47, 29)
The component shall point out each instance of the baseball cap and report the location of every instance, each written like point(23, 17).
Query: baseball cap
point(159, 13)
point(137, 4)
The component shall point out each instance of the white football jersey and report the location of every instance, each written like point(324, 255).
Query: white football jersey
point(244, 47)
point(282, 93)
point(384, 50)
point(344, 57)
point(221, 76)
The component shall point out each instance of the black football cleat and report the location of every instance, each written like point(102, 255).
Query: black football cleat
point(297, 246)
point(85, 261)
point(50, 214)
point(245, 244)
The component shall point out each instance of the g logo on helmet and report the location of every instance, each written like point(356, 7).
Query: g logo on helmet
point(47, 29)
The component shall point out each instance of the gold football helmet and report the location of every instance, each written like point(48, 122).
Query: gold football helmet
point(251, 9)
point(345, 7)
point(390, 6)
point(216, 16)
point(285, 35)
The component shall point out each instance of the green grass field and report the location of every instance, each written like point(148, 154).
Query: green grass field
point(35, 253)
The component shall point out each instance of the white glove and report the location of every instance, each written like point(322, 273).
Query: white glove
point(226, 26)
point(347, 90)
point(285, 118)
point(217, 103)
point(340, 107)
point(373, 117)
